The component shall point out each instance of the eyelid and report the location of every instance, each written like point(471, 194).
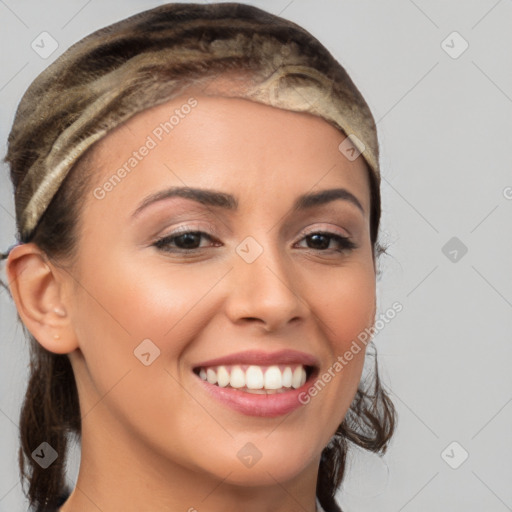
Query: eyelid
point(331, 229)
point(208, 228)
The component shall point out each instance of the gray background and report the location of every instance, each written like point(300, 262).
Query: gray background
point(445, 127)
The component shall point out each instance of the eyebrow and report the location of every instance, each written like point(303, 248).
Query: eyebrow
point(229, 202)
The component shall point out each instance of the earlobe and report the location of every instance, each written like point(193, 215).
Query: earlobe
point(36, 289)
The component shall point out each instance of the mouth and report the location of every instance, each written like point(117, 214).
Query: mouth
point(257, 379)
point(258, 383)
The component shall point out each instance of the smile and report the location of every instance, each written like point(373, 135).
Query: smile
point(258, 383)
point(256, 379)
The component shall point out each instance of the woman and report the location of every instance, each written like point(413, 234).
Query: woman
point(197, 203)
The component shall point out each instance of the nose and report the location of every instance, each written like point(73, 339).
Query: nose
point(265, 292)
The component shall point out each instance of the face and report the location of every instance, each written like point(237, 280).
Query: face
point(229, 270)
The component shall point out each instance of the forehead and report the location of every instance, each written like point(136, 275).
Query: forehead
point(220, 142)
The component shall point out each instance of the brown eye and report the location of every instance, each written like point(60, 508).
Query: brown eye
point(321, 240)
point(184, 241)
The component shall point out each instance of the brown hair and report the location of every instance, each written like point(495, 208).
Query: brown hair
point(50, 411)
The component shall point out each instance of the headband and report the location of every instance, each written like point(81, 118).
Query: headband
point(151, 58)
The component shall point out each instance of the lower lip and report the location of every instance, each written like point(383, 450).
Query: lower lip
point(252, 404)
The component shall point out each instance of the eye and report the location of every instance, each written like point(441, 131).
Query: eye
point(320, 240)
point(183, 240)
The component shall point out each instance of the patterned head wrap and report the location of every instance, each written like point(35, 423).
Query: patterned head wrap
point(152, 57)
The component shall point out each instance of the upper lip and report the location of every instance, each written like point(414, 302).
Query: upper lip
point(257, 357)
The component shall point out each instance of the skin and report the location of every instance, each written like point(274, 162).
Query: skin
point(152, 439)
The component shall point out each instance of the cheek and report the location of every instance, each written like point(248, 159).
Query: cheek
point(346, 305)
point(129, 302)
point(118, 306)
point(346, 310)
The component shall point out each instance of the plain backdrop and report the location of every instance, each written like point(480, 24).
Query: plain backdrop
point(438, 78)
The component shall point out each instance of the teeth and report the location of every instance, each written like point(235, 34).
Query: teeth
point(273, 378)
point(255, 379)
point(297, 378)
point(211, 376)
point(237, 378)
point(287, 377)
point(222, 377)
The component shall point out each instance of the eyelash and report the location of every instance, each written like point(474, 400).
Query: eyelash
point(345, 243)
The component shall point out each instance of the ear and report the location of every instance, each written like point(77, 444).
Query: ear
point(37, 288)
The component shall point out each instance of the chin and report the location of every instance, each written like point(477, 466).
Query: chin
point(273, 465)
